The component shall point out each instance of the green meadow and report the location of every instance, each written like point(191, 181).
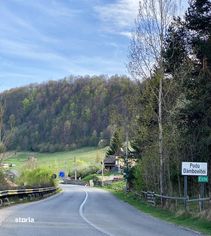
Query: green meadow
point(84, 157)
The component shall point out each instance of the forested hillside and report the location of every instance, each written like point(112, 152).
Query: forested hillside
point(65, 114)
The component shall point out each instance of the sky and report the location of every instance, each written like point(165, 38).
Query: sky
point(43, 40)
point(49, 39)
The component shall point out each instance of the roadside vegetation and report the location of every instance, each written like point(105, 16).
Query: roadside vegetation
point(37, 177)
point(197, 222)
point(3, 183)
point(37, 169)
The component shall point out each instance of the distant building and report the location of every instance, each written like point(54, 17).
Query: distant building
point(113, 163)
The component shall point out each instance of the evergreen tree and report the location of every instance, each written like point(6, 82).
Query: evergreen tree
point(115, 144)
point(195, 118)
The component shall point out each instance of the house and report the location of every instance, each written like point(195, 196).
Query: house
point(113, 163)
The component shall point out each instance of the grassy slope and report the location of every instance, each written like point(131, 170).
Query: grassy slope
point(185, 220)
point(59, 160)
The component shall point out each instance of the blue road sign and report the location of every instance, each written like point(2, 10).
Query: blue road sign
point(61, 174)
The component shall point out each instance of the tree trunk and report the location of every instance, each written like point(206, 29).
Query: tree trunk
point(160, 133)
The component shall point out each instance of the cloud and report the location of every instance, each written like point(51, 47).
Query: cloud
point(53, 8)
point(126, 34)
point(51, 39)
point(119, 16)
point(26, 50)
point(21, 28)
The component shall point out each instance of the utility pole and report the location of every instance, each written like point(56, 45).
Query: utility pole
point(126, 158)
point(102, 181)
point(75, 168)
point(160, 141)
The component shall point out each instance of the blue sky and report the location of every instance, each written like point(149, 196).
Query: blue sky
point(49, 39)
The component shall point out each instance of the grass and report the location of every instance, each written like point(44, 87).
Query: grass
point(183, 219)
point(59, 160)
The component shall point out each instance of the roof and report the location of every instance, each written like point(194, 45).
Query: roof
point(110, 160)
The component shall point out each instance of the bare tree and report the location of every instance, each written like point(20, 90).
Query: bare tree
point(1, 120)
point(146, 50)
point(2, 146)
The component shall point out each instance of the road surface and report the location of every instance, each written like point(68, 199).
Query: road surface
point(82, 211)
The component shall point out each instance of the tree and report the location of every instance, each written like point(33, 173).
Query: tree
point(194, 118)
point(115, 144)
point(2, 137)
point(187, 59)
point(1, 120)
point(60, 115)
point(175, 50)
point(146, 54)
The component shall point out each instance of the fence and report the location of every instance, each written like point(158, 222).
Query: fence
point(177, 202)
point(7, 195)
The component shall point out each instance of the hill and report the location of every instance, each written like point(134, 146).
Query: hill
point(66, 114)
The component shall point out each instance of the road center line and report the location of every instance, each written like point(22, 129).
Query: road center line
point(87, 221)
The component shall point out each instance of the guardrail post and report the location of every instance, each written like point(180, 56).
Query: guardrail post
point(6, 201)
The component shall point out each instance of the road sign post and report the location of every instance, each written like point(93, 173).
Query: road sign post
point(194, 169)
point(185, 191)
point(202, 180)
point(201, 196)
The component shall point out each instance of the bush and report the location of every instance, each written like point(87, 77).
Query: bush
point(2, 147)
point(91, 177)
point(2, 180)
point(88, 171)
point(83, 172)
point(38, 177)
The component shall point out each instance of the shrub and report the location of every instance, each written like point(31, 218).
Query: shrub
point(38, 177)
point(2, 180)
point(91, 177)
point(83, 172)
point(2, 147)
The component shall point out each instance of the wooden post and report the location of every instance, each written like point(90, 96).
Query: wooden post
point(75, 167)
point(201, 203)
point(102, 182)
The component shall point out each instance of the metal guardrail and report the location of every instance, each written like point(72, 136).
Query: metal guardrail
point(6, 193)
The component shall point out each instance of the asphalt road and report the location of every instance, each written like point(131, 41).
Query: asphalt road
point(82, 211)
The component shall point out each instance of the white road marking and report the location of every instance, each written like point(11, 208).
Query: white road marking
point(87, 221)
